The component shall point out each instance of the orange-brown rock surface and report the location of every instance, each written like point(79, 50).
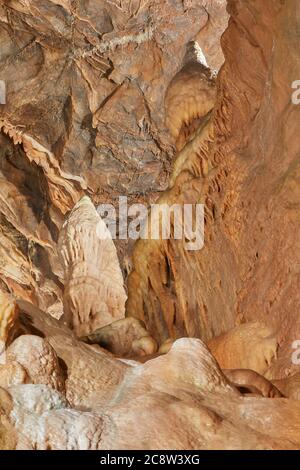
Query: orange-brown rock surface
point(161, 101)
point(242, 164)
point(79, 119)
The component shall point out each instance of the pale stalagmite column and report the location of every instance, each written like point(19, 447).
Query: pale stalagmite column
point(94, 295)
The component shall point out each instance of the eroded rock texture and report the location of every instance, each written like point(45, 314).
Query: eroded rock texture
point(110, 98)
point(242, 163)
point(84, 115)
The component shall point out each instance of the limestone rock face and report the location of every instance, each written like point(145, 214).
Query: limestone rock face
point(122, 344)
point(85, 86)
point(242, 164)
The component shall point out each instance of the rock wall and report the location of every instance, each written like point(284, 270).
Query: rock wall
point(125, 97)
point(249, 146)
point(84, 115)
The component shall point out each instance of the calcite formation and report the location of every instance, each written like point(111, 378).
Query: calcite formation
point(190, 97)
point(122, 344)
point(242, 164)
point(94, 294)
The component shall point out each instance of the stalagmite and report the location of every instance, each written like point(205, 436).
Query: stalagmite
point(94, 295)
